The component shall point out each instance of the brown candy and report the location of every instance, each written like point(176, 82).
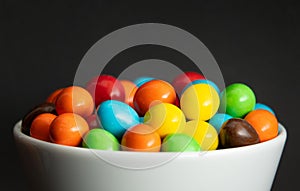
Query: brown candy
point(33, 113)
point(237, 132)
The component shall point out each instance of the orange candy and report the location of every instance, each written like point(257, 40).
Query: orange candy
point(75, 99)
point(152, 92)
point(53, 96)
point(141, 138)
point(264, 122)
point(40, 126)
point(68, 129)
point(130, 89)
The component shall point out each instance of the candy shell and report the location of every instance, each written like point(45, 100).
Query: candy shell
point(165, 118)
point(237, 132)
point(141, 80)
point(151, 93)
point(100, 139)
point(202, 82)
point(264, 122)
point(40, 126)
point(75, 99)
point(237, 100)
point(218, 119)
point(105, 87)
point(141, 138)
point(199, 101)
point(68, 129)
point(116, 117)
point(204, 133)
point(184, 79)
point(180, 143)
point(264, 106)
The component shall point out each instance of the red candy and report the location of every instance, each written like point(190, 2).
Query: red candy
point(105, 87)
point(153, 92)
point(184, 79)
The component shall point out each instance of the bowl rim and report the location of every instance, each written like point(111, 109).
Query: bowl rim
point(19, 135)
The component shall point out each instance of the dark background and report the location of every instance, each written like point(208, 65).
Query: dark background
point(43, 42)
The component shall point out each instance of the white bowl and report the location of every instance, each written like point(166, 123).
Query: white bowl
point(62, 168)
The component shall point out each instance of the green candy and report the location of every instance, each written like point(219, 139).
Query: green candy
point(237, 100)
point(100, 139)
point(179, 143)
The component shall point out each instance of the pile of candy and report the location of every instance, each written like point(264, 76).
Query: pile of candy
point(188, 114)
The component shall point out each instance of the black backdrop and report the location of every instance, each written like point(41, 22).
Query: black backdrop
point(253, 42)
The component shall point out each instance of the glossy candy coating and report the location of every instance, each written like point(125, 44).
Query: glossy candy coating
point(68, 129)
point(218, 119)
point(141, 138)
point(204, 133)
point(105, 87)
point(264, 122)
point(180, 143)
point(116, 117)
point(199, 101)
point(184, 79)
point(100, 139)
point(130, 89)
point(75, 99)
point(202, 82)
point(237, 100)
point(141, 80)
point(33, 113)
point(165, 118)
point(151, 93)
point(40, 126)
point(237, 132)
point(264, 106)
point(52, 97)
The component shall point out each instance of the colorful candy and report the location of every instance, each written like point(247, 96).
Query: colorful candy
point(165, 118)
point(74, 99)
point(184, 79)
point(237, 100)
point(218, 119)
point(68, 129)
point(116, 117)
point(141, 138)
point(40, 126)
point(130, 89)
point(204, 133)
point(199, 101)
point(237, 132)
point(264, 106)
point(264, 122)
point(180, 143)
point(151, 93)
point(148, 115)
point(33, 113)
point(100, 139)
point(105, 87)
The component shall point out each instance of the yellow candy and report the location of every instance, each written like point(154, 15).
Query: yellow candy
point(204, 133)
point(199, 101)
point(166, 118)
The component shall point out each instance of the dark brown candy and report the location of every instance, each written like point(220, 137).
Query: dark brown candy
point(237, 132)
point(33, 113)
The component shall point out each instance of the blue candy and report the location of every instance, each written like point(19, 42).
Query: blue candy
point(116, 117)
point(218, 119)
point(263, 106)
point(141, 80)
